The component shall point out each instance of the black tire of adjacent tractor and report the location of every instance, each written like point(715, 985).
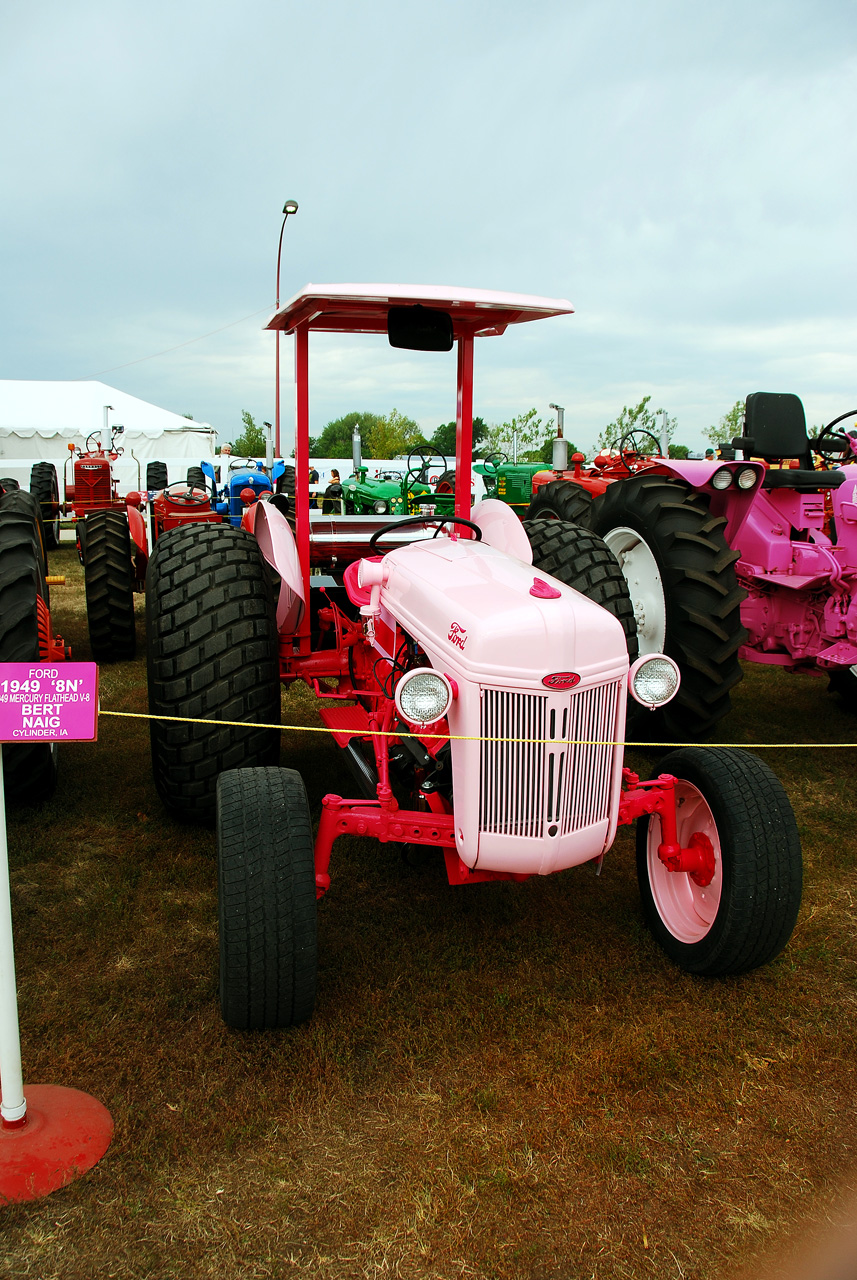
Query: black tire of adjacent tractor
point(196, 478)
point(286, 482)
point(108, 574)
point(702, 599)
point(157, 476)
point(267, 911)
point(29, 769)
point(44, 487)
point(844, 682)
point(8, 483)
point(562, 500)
point(760, 863)
point(26, 506)
point(213, 654)
point(580, 559)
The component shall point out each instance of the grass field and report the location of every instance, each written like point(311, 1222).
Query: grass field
point(500, 1081)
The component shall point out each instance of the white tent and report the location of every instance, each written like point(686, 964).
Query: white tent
point(39, 420)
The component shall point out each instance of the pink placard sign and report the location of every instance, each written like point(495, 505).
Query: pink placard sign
point(48, 702)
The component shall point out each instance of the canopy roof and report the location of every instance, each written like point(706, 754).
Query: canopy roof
point(362, 308)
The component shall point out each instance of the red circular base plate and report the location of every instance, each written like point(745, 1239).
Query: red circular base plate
point(66, 1133)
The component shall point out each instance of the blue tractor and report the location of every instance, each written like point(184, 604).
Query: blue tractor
point(243, 484)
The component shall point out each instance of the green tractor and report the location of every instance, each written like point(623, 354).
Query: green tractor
point(402, 492)
point(511, 482)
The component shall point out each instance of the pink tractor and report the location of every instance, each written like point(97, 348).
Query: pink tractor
point(474, 670)
point(727, 560)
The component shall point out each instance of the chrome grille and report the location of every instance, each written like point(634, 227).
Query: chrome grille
point(548, 777)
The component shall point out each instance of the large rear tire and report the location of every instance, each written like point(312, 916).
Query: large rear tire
point(212, 652)
point(44, 487)
point(196, 479)
point(687, 603)
point(580, 559)
point(267, 901)
point(108, 574)
point(745, 915)
point(562, 500)
point(29, 769)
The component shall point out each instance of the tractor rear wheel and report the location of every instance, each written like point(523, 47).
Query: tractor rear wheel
point(562, 500)
point(580, 559)
point(196, 478)
point(266, 899)
point(44, 487)
point(286, 482)
point(844, 682)
point(212, 654)
point(745, 915)
point(157, 476)
point(687, 603)
point(29, 769)
point(108, 574)
point(26, 506)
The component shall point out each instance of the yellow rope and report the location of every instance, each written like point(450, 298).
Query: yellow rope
point(463, 737)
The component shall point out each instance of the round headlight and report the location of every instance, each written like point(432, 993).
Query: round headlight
point(722, 478)
point(352, 488)
point(423, 696)
point(746, 478)
point(380, 508)
point(653, 680)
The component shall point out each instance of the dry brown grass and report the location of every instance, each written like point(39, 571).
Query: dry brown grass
point(501, 1081)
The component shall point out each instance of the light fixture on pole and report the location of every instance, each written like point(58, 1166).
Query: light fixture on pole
point(291, 206)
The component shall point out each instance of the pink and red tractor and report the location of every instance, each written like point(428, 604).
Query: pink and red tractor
point(729, 560)
point(474, 670)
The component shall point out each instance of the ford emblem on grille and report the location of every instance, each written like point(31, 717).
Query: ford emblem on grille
point(561, 680)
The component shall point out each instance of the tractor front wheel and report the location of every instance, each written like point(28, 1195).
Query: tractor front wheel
point(580, 559)
point(108, 574)
point(212, 652)
point(687, 603)
point(745, 914)
point(562, 500)
point(266, 899)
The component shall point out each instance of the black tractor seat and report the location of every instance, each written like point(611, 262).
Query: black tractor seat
point(775, 430)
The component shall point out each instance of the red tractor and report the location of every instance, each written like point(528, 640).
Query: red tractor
point(475, 672)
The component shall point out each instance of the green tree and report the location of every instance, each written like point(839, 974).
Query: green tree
point(546, 455)
point(731, 424)
point(393, 435)
point(251, 443)
point(638, 418)
point(444, 437)
point(335, 439)
point(531, 430)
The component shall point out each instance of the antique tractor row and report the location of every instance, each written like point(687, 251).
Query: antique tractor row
point(752, 559)
point(474, 670)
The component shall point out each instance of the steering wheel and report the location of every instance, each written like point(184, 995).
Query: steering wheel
point(492, 462)
point(97, 436)
point(249, 465)
point(845, 443)
point(426, 458)
point(628, 443)
point(187, 495)
point(411, 520)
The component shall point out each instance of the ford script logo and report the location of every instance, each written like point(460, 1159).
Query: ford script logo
point(561, 680)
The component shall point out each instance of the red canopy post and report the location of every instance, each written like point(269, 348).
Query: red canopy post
point(302, 471)
point(464, 426)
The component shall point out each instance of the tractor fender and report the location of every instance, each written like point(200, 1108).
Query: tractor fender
point(502, 529)
point(733, 503)
point(137, 526)
point(276, 541)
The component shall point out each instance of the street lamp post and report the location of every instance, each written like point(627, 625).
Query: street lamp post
point(291, 206)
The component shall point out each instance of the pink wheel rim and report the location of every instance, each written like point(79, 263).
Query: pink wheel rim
point(687, 909)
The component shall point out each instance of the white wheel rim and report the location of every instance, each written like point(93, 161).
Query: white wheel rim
point(641, 572)
point(687, 909)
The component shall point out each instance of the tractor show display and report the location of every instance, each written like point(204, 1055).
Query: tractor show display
point(475, 671)
point(482, 637)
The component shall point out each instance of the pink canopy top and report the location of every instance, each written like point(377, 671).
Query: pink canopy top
point(362, 308)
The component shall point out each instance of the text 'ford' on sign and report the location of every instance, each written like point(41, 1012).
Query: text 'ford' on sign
point(48, 702)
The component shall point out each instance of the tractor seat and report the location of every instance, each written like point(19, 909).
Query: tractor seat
point(775, 430)
point(330, 498)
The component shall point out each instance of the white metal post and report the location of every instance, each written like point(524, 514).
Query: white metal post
point(13, 1107)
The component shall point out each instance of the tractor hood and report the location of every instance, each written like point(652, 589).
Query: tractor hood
point(496, 620)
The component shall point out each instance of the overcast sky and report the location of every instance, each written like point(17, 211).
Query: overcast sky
point(684, 174)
